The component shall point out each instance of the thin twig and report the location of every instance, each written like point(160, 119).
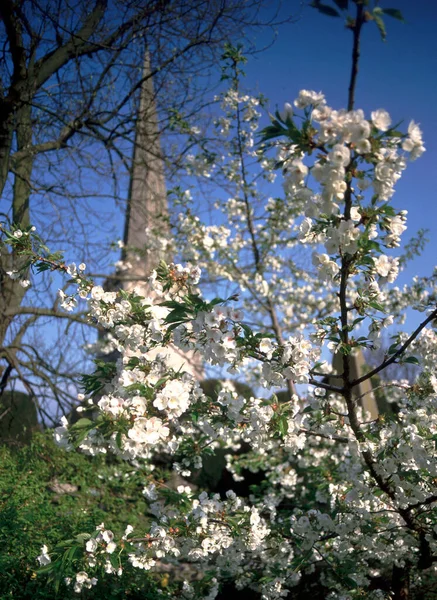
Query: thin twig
point(359, 21)
point(398, 353)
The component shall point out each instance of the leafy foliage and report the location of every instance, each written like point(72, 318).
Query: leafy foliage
point(45, 492)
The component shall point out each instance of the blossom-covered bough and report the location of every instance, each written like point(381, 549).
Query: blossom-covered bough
point(346, 500)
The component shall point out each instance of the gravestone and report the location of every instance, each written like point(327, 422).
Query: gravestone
point(18, 417)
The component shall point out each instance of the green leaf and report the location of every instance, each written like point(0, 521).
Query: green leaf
point(160, 382)
point(358, 320)
point(69, 554)
point(57, 582)
point(372, 245)
point(367, 260)
point(270, 132)
point(163, 266)
point(325, 9)
point(342, 4)
point(317, 365)
point(79, 438)
point(40, 267)
point(134, 361)
point(247, 330)
point(171, 304)
point(45, 569)
point(9, 235)
point(82, 424)
point(216, 301)
point(178, 315)
point(412, 360)
point(280, 119)
point(64, 544)
point(395, 133)
point(376, 306)
point(345, 349)
point(387, 210)
point(349, 582)
point(193, 300)
point(283, 426)
point(395, 13)
point(142, 389)
point(380, 24)
point(113, 559)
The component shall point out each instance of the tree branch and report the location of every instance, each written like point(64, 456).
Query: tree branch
point(398, 353)
point(76, 46)
point(48, 312)
point(359, 21)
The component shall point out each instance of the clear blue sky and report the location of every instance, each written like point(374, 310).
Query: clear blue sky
point(399, 75)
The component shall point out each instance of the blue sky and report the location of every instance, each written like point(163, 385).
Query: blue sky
point(398, 75)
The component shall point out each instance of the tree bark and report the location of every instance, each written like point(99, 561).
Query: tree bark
point(401, 583)
point(23, 168)
point(11, 292)
point(6, 132)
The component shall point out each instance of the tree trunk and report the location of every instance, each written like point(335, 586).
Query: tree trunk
point(401, 583)
point(6, 131)
point(11, 292)
point(23, 168)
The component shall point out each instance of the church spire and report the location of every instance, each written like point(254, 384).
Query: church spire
point(147, 198)
point(147, 211)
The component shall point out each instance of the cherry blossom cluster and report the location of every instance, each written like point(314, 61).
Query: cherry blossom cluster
point(145, 405)
point(353, 154)
point(345, 496)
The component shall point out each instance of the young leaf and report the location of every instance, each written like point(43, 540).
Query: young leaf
point(412, 360)
point(45, 569)
point(283, 426)
point(247, 330)
point(394, 133)
point(177, 315)
point(358, 320)
point(270, 132)
point(170, 304)
point(342, 4)
point(376, 306)
point(395, 13)
point(82, 424)
point(325, 9)
point(381, 26)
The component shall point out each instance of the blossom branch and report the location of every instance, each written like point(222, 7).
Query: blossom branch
point(256, 253)
point(398, 353)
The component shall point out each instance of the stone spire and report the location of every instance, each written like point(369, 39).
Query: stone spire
point(373, 403)
point(147, 210)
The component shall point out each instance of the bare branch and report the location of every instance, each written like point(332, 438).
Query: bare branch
point(48, 312)
point(398, 353)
